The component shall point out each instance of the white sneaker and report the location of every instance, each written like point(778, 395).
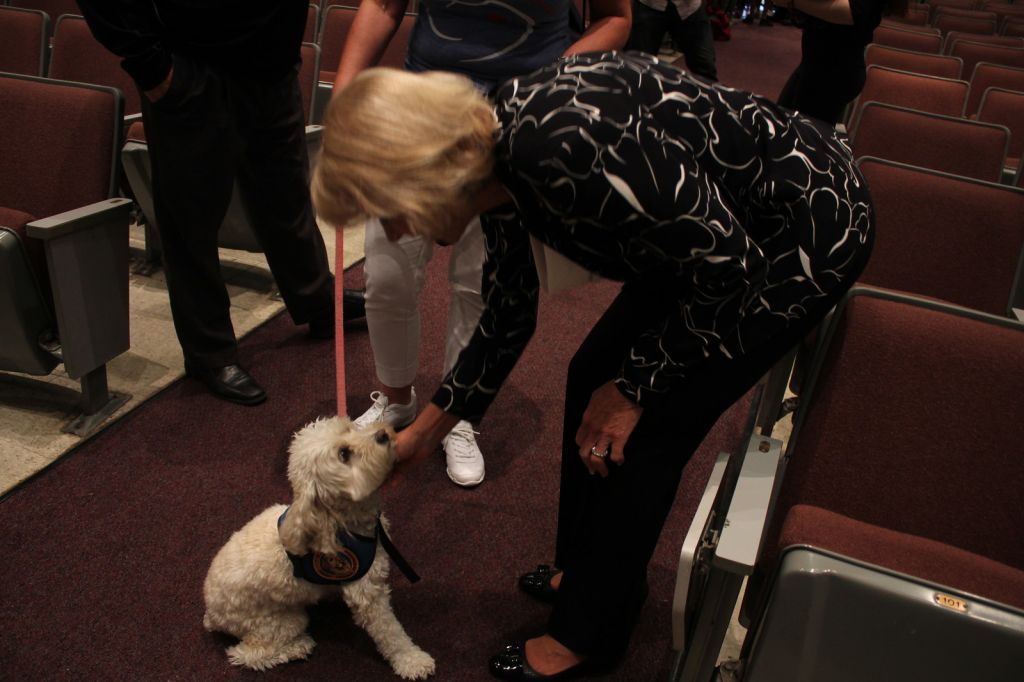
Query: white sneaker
point(465, 461)
point(382, 411)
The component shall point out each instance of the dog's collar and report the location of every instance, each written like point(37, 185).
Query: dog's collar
point(351, 562)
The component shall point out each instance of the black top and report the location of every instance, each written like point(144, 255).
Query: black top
point(255, 37)
point(633, 168)
point(831, 48)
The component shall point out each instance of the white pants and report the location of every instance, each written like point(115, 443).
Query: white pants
point(395, 272)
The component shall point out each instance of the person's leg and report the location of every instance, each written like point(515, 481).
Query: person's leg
point(464, 461)
point(273, 180)
point(607, 539)
point(648, 29)
point(465, 304)
point(693, 36)
point(395, 272)
point(192, 143)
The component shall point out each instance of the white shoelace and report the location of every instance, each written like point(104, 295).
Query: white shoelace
point(464, 447)
point(380, 403)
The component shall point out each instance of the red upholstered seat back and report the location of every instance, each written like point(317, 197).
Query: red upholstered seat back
point(915, 425)
point(1006, 107)
point(987, 75)
point(973, 52)
point(916, 91)
point(944, 143)
point(77, 56)
point(917, 41)
point(23, 36)
point(945, 237)
point(927, 63)
point(54, 8)
point(58, 143)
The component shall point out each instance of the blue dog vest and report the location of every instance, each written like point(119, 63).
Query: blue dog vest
point(348, 564)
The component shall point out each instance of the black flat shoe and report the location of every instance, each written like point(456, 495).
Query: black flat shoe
point(511, 664)
point(353, 304)
point(538, 583)
point(231, 383)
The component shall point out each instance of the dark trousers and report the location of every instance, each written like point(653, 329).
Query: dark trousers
point(820, 95)
point(211, 129)
point(608, 527)
point(692, 36)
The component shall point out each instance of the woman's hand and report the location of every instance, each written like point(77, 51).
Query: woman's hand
point(607, 423)
point(422, 438)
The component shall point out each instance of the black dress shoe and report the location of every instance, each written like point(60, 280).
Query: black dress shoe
point(354, 304)
point(230, 383)
point(538, 583)
point(511, 664)
point(322, 327)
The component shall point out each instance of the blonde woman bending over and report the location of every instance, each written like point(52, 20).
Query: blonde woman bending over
point(733, 224)
point(489, 42)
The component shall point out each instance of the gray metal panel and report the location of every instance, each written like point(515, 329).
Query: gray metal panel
point(87, 255)
point(831, 619)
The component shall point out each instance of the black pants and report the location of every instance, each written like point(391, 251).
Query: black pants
point(608, 527)
point(692, 36)
point(210, 129)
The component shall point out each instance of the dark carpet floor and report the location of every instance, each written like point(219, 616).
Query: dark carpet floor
point(102, 557)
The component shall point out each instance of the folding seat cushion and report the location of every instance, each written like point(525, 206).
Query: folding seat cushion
point(78, 56)
point(918, 41)
point(926, 63)
point(910, 554)
point(1006, 107)
point(23, 35)
point(15, 221)
point(943, 236)
point(945, 143)
point(987, 75)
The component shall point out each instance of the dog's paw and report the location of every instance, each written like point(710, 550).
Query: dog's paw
point(415, 664)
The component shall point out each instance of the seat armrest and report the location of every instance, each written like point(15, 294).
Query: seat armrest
point(87, 256)
point(747, 516)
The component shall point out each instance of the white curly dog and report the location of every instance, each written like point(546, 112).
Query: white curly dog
point(327, 535)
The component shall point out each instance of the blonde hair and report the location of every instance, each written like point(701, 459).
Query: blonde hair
point(399, 144)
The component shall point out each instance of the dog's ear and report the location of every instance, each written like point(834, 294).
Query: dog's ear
point(301, 529)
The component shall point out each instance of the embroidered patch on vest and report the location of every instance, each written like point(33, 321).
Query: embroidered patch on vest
point(342, 565)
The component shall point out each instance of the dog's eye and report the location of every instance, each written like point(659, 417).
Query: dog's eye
point(344, 453)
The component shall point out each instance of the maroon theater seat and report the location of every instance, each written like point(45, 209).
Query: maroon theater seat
point(23, 35)
point(953, 36)
point(974, 52)
point(1006, 107)
point(78, 56)
point(54, 8)
point(907, 39)
point(987, 75)
point(962, 24)
point(944, 96)
point(59, 164)
point(927, 63)
point(945, 237)
point(944, 143)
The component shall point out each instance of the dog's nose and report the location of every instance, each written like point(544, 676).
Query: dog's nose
point(382, 437)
